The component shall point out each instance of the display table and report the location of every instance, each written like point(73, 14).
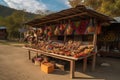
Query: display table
point(67, 58)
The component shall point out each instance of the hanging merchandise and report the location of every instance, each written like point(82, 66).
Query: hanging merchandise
point(82, 27)
point(109, 36)
point(45, 31)
point(99, 29)
point(57, 31)
point(49, 33)
point(73, 27)
point(69, 30)
point(62, 28)
point(39, 34)
point(77, 23)
point(39, 31)
point(91, 27)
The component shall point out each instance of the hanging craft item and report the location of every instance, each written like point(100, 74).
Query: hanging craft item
point(82, 27)
point(45, 31)
point(69, 30)
point(91, 27)
point(109, 36)
point(62, 29)
point(99, 29)
point(57, 31)
point(77, 23)
point(39, 31)
point(49, 32)
point(73, 27)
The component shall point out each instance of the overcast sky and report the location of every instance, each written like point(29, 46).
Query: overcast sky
point(34, 5)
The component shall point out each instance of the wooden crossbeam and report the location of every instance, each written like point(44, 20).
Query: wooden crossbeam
point(80, 14)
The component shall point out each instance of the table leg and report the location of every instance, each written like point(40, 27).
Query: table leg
point(84, 64)
point(93, 62)
point(29, 54)
point(36, 54)
point(72, 68)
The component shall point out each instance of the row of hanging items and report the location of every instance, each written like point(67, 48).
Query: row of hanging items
point(74, 28)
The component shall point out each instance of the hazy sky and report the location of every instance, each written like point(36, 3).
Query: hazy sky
point(33, 5)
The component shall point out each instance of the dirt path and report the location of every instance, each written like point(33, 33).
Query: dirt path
point(14, 65)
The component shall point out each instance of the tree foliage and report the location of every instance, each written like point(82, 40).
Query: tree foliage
point(14, 22)
point(108, 7)
point(74, 3)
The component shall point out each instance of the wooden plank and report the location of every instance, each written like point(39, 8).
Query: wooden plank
point(29, 54)
point(84, 64)
point(52, 54)
point(63, 17)
point(93, 62)
point(72, 69)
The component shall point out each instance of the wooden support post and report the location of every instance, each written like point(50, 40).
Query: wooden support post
point(72, 69)
point(93, 62)
point(84, 64)
point(95, 46)
point(29, 54)
point(36, 54)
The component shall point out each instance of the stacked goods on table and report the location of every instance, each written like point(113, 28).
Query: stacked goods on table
point(71, 48)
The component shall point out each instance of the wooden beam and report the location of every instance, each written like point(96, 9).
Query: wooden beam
point(62, 18)
point(72, 69)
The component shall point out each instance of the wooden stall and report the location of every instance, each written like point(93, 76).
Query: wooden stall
point(81, 21)
point(109, 41)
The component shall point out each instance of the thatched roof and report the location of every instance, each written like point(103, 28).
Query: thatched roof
point(77, 13)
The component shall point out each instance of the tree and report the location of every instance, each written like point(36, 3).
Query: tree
point(74, 3)
point(108, 7)
point(2, 21)
point(14, 22)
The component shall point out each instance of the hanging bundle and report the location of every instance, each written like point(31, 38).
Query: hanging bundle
point(62, 28)
point(45, 31)
point(99, 29)
point(81, 29)
point(39, 31)
point(69, 30)
point(77, 23)
point(91, 27)
point(57, 31)
point(49, 31)
point(73, 27)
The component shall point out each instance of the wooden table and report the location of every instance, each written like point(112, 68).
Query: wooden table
point(67, 58)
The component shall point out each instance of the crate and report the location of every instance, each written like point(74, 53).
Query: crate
point(47, 67)
point(37, 63)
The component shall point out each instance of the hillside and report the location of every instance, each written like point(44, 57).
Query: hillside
point(6, 11)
